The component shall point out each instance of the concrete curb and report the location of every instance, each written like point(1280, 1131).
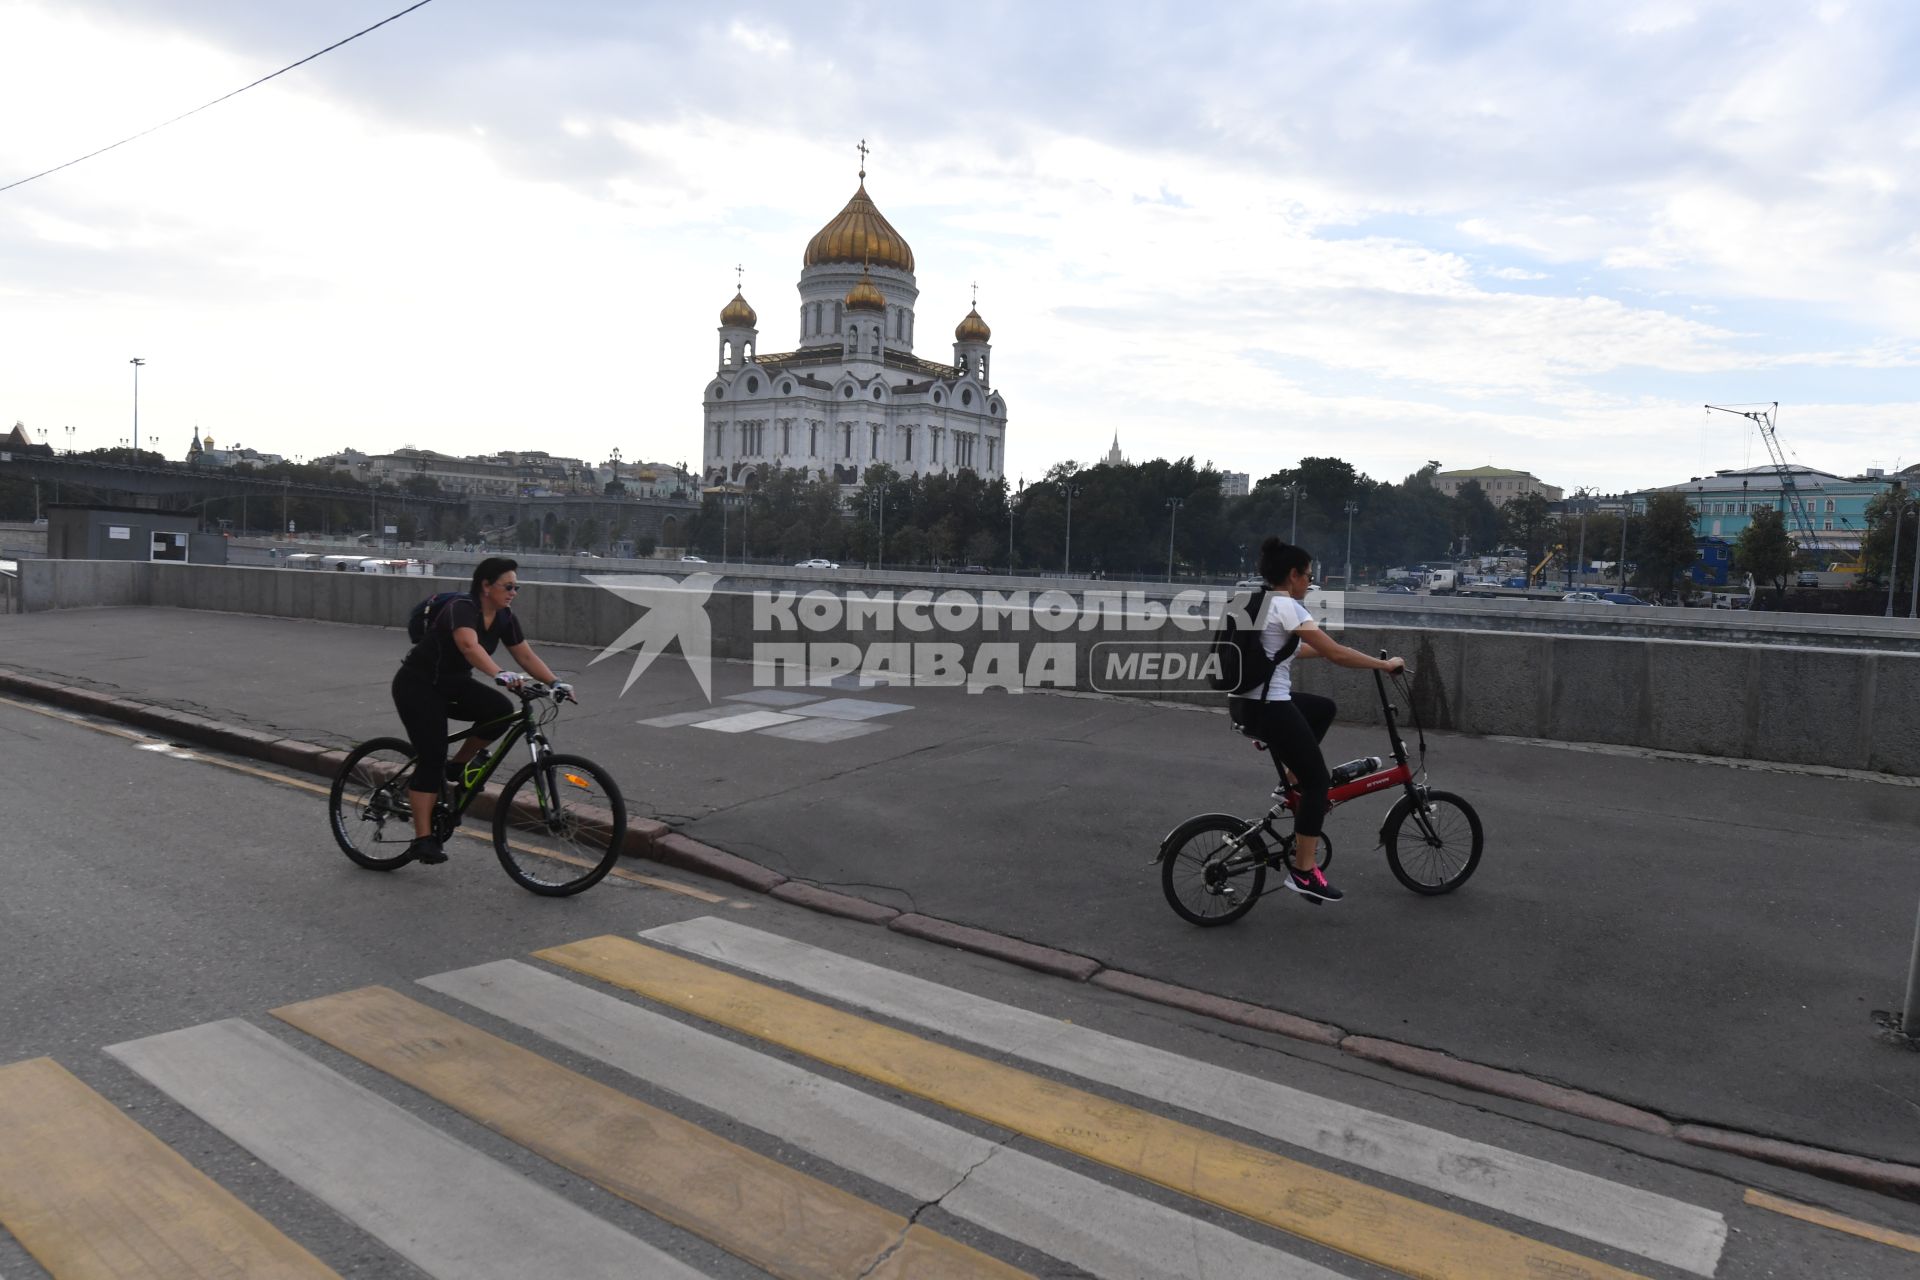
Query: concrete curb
point(1506, 1084)
point(664, 845)
point(1238, 1012)
point(1902, 1180)
point(1028, 955)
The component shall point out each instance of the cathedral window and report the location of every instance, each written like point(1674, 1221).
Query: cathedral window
point(936, 397)
point(786, 389)
point(816, 317)
point(876, 393)
point(786, 436)
point(966, 397)
point(994, 408)
point(753, 384)
point(838, 311)
point(898, 324)
point(813, 439)
point(906, 443)
point(846, 438)
point(846, 392)
point(717, 393)
point(873, 443)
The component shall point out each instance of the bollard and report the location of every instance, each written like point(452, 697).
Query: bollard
point(1910, 1011)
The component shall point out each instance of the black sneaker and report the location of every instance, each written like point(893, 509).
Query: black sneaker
point(427, 849)
point(1312, 885)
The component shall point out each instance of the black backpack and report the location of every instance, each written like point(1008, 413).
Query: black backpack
point(1240, 663)
point(420, 618)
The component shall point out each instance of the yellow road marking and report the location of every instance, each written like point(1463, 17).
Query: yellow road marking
point(781, 1220)
point(635, 877)
point(1834, 1221)
point(1368, 1223)
point(93, 1196)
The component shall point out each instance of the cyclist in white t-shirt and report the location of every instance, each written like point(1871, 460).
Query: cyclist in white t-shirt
point(1292, 723)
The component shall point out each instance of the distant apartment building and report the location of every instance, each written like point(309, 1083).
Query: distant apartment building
point(1499, 484)
point(511, 474)
point(1233, 484)
point(1830, 508)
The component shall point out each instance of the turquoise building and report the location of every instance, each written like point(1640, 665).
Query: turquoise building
point(1836, 506)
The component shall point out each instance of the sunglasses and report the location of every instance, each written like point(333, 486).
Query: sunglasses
point(510, 588)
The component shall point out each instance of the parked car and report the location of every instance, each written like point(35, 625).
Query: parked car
point(1250, 584)
point(1397, 589)
point(974, 568)
point(692, 560)
point(1581, 597)
point(816, 563)
point(1620, 597)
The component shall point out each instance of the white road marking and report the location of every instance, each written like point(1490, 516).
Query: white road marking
point(1098, 1228)
point(1642, 1222)
point(445, 1207)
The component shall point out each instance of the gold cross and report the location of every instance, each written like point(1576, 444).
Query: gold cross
point(976, 295)
point(737, 276)
point(862, 149)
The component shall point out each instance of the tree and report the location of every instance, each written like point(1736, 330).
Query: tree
point(1765, 551)
point(1527, 524)
point(1666, 547)
point(407, 527)
point(1476, 518)
point(1876, 547)
point(526, 534)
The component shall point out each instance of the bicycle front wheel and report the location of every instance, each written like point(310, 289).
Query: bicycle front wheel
point(1433, 849)
point(558, 826)
point(1210, 874)
point(368, 808)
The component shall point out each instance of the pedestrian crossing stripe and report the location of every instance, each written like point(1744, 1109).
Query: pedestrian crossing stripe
point(1598, 1209)
point(93, 1196)
point(1104, 1230)
point(1340, 1213)
point(435, 1201)
point(782, 1220)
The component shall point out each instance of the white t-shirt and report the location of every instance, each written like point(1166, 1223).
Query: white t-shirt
point(1284, 616)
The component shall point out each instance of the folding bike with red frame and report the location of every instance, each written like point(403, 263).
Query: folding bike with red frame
point(1213, 866)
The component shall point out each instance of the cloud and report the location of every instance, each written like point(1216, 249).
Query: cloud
point(486, 221)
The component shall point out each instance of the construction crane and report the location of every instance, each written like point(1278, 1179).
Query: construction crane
point(1796, 510)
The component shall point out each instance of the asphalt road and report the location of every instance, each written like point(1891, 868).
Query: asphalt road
point(189, 888)
point(1700, 940)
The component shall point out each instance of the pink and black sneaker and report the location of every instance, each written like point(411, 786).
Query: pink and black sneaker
point(1312, 885)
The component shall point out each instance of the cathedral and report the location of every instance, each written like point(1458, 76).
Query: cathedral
point(852, 392)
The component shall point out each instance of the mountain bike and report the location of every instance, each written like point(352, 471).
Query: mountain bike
point(1213, 866)
point(557, 824)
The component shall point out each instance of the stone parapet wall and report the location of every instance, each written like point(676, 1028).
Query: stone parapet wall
point(1794, 703)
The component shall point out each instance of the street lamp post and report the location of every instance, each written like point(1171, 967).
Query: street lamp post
point(1066, 564)
point(1010, 506)
point(136, 362)
point(1913, 601)
point(1897, 500)
point(1173, 521)
point(1293, 534)
point(1626, 510)
point(1352, 506)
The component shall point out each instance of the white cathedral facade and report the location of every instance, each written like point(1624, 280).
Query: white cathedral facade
point(852, 392)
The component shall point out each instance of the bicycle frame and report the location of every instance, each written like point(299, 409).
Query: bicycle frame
point(475, 773)
point(1287, 799)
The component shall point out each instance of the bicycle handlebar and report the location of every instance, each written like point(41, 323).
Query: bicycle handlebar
point(530, 689)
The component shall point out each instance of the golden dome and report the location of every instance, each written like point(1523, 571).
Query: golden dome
point(859, 233)
point(865, 295)
point(737, 314)
point(972, 329)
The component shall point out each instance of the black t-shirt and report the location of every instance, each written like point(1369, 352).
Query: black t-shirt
point(439, 659)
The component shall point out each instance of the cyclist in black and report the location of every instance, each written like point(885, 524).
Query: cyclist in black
point(1292, 723)
point(435, 682)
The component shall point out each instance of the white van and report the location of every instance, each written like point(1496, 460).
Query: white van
point(1441, 582)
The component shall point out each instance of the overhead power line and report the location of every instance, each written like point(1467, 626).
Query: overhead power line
point(217, 101)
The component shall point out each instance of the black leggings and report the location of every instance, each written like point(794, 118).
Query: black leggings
point(1292, 731)
point(425, 707)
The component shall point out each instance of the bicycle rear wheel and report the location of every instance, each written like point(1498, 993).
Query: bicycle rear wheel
point(1442, 845)
point(368, 808)
point(1208, 878)
point(558, 826)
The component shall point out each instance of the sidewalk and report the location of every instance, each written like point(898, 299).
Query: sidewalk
point(1702, 942)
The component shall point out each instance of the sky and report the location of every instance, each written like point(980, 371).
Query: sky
point(1390, 231)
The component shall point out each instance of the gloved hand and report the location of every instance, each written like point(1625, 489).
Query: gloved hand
point(563, 692)
point(508, 678)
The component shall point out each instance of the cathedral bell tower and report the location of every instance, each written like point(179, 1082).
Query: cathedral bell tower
point(973, 346)
point(739, 336)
